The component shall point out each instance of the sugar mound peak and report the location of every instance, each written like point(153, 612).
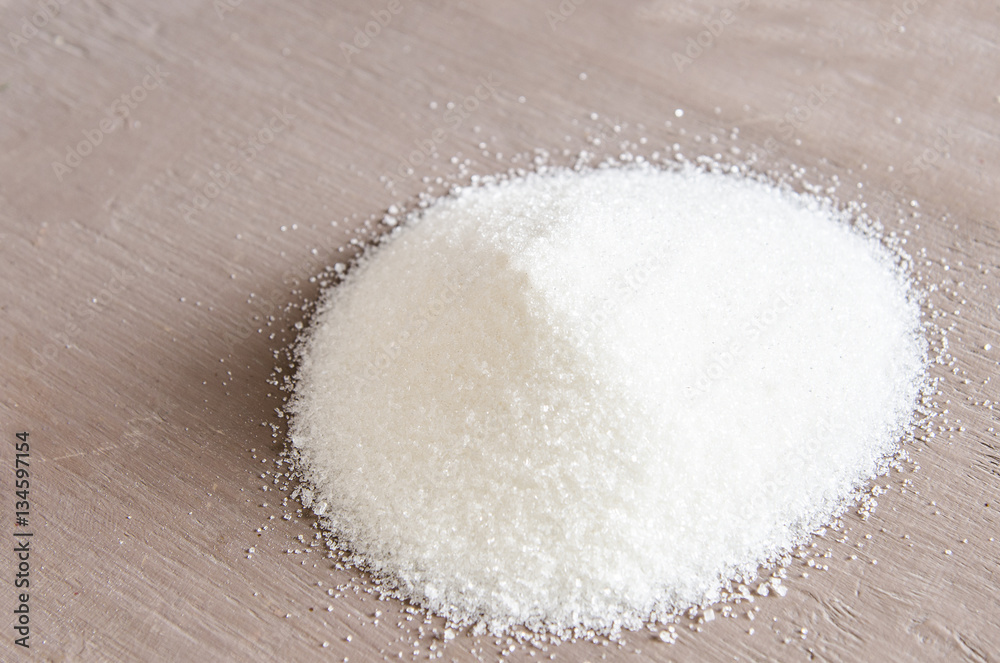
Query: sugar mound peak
point(587, 398)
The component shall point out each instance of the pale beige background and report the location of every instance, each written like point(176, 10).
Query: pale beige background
point(130, 349)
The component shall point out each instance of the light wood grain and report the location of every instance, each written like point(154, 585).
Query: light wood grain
point(130, 349)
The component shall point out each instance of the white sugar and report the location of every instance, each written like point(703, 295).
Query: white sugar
point(589, 398)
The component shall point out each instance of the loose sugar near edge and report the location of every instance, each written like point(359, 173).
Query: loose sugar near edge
point(588, 398)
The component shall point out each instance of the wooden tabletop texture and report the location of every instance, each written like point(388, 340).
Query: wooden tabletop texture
point(172, 174)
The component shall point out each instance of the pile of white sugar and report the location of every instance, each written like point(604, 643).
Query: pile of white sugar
point(589, 398)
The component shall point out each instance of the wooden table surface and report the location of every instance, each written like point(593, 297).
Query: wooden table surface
point(141, 257)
